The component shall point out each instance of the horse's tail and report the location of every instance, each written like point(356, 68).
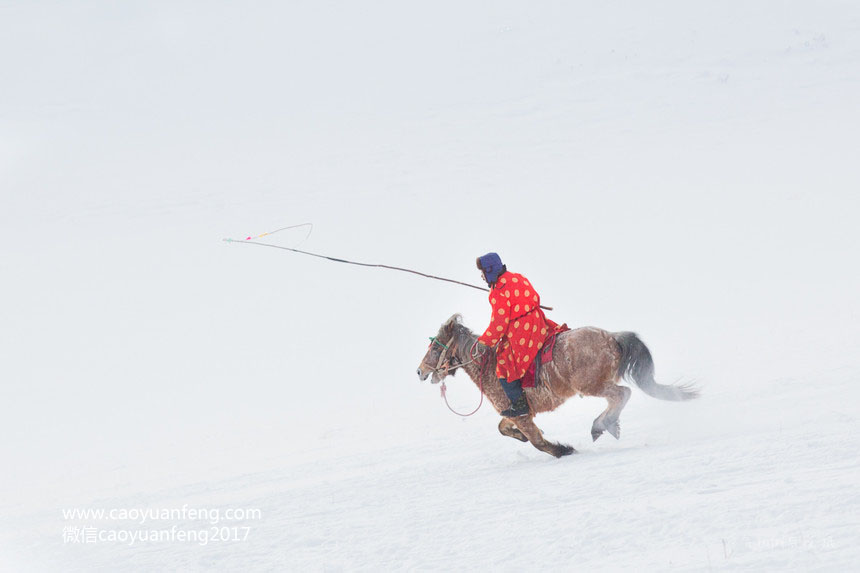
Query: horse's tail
point(637, 366)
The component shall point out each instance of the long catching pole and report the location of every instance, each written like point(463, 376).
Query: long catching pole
point(250, 241)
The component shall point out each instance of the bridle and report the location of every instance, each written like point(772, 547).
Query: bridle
point(443, 366)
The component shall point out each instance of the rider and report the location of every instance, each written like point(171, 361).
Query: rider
point(517, 328)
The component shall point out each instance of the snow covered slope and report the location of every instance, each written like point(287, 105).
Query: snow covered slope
point(752, 487)
point(684, 171)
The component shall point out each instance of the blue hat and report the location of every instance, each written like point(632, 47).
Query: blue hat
point(492, 266)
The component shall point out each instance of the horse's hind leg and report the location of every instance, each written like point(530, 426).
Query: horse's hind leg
point(507, 428)
point(527, 426)
point(617, 397)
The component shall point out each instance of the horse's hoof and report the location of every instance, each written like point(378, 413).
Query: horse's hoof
point(561, 450)
point(615, 430)
point(595, 433)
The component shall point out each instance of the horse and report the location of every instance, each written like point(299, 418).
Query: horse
point(587, 361)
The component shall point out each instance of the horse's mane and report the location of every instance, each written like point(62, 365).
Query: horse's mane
point(454, 327)
point(463, 337)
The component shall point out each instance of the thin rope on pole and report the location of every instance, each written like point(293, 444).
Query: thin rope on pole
point(310, 230)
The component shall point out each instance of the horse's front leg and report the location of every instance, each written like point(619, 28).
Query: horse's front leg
point(526, 425)
point(507, 428)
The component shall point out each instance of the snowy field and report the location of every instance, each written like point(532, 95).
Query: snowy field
point(684, 170)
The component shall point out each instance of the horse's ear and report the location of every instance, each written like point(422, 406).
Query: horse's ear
point(453, 323)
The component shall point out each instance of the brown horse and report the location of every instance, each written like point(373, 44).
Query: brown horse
point(587, 361)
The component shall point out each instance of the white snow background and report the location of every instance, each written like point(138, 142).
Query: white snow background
point(685, 170)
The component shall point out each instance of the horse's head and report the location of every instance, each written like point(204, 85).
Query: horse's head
point(443, 356)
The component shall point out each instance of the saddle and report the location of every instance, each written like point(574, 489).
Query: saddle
point(544, 355)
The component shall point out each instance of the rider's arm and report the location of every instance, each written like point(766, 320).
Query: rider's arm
point(499, 320)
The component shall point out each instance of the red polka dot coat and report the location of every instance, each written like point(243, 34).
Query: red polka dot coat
point(518, 325)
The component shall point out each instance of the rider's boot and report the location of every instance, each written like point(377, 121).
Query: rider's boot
point(514, 392)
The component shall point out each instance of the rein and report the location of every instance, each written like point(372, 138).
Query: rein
point(442, 367)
